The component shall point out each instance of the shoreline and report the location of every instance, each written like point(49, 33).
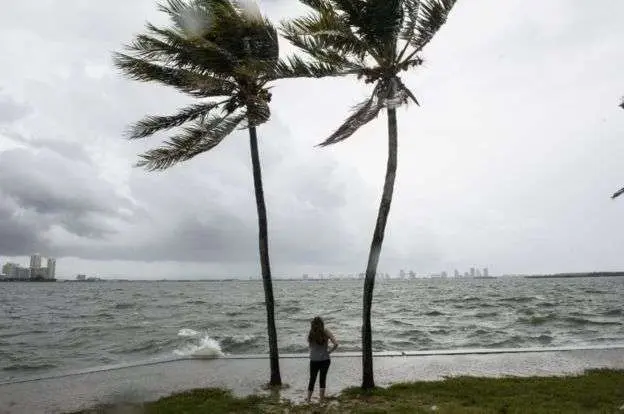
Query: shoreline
point(284, 356)
point(246, 377)
point(594, 390)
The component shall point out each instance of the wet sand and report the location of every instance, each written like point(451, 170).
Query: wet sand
point(248, 374)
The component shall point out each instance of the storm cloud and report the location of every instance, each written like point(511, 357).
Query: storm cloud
point(508, 163)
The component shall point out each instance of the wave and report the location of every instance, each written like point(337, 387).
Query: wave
point(205, 347)
point(29, 367)
point(123, 305)
point(290, 309)
point(584, 321)
point(434, 313)
point(538, 320)
point(237, 342)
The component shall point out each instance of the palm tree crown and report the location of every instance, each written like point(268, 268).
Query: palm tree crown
point(224, 53)
point(372, 39)
point(215, 50)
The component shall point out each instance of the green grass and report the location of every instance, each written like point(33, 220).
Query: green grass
point(595, 391)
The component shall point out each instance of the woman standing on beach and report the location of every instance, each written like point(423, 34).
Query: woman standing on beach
point(318, 341)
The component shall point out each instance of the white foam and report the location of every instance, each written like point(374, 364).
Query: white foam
point(185, 332)
point(206, 347)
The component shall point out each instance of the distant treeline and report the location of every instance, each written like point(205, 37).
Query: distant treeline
point(565, 275)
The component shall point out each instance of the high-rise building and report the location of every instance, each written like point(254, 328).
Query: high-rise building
point(444, 275)
point(472, 272)
point(486, 272)
point(22, 273)
point(51, 268)
point(412, 275)
point(456, 273)
point(402, 274)
point(35, 261)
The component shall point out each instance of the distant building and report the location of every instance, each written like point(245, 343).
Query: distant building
point(478, 273)
point(15, 271)
point(402, 274)
point(35, 261)
point(305, 276)
point(81, 277)
point(486, 272)
point(10, 270)
point(444, 275)
point(51, 273)
point(39, 273)
point(456, 273)
point(473, 273)
point(22, 273)
point(466, 274)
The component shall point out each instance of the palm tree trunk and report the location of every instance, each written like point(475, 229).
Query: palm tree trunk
point(368, 381)
point(264, 258)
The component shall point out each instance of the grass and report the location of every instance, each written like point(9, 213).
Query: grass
point(595, 391)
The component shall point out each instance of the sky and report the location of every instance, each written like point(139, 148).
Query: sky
point(508, 163)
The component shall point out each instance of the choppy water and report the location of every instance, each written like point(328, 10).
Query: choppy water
point(48, 328)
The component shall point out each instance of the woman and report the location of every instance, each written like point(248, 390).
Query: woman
point(318, 341)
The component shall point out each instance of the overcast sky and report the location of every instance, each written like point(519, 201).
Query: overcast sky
point(508, 163)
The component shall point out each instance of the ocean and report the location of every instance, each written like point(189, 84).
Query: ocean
point(51, 328)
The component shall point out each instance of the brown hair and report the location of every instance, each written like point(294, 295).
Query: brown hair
point(317, 331)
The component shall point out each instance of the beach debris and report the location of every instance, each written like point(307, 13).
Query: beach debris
point(434, 408)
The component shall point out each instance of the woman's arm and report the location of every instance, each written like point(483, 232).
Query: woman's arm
point(332, 339)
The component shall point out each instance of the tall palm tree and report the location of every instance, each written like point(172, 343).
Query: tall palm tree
point(374, 40)
point(224, 54)
point(620, 191)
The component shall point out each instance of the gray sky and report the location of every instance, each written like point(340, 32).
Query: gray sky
point(508, 163)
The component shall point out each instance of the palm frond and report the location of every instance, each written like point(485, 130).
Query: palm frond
point(318, 5)
point(173, 48)
point(152, 124)
point(320, 46)
point(405, 90)
point(618, 193)
point(201, 137)
point(295, 67)
point(187, 81)
point(330, 30)
point(429, 17)
point(363, 113)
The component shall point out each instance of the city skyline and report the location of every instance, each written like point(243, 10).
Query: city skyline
point(12, 270)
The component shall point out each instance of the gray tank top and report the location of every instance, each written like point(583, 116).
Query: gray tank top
point(319, 352)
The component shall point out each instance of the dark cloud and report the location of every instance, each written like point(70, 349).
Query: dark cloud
point(54, 190)
point(18, 235)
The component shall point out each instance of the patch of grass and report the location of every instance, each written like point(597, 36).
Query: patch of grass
point(595, 391)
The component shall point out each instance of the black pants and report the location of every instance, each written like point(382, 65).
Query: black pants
point(315, 367)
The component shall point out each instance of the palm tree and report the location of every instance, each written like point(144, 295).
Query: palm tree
point(224, 54)
point(374, 40)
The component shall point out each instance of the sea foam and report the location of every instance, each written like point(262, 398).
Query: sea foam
point(203, 345)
